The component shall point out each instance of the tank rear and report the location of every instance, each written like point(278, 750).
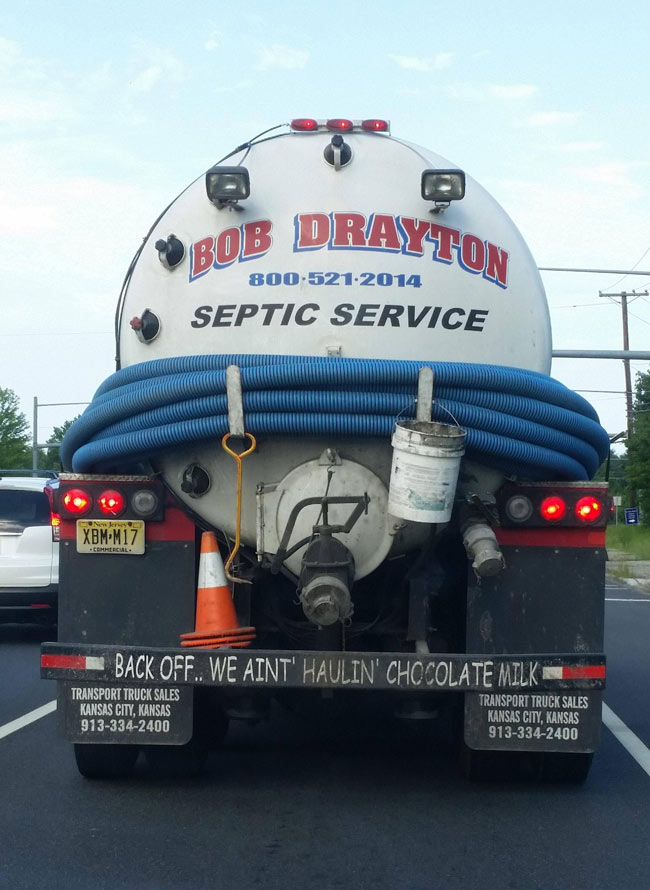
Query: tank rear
point(335, 252)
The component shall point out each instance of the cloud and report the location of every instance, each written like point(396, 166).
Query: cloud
point(278, 55)
point(550, 118)
point(420, 63)
point(31, 94)
point(9, 53)
point(233, 87)
point(213, 42)
point(478, 92)
point(160, 64)
point(20, 107)
point(580, 147)
point(512, 91)
point(614, 174)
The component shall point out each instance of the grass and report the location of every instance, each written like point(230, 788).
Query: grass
point(633, 539)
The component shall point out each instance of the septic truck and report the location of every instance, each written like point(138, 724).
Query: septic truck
point(331, 465)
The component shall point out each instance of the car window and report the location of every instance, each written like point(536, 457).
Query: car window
point(21, 509)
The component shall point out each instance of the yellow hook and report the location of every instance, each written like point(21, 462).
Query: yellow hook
point(238, 459)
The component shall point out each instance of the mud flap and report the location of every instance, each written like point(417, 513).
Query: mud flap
point(105, 713)
point(533, 721)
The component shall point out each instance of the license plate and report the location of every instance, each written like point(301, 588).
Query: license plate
point(110, 536)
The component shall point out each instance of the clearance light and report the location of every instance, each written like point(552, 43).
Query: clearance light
point(227, 185)
point(553, 508)
point(340, 124)
point(77, 501)
point(374, 125)
point(519, 508)
point(111, 502)
point(304, 124)
point(588, 509)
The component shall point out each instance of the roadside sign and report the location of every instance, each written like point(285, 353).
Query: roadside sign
point(631, 516)
point(618, 500)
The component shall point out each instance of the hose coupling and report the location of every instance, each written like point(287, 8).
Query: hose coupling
point(482, 548)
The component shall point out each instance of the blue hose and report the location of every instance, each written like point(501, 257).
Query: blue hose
point(513, 418)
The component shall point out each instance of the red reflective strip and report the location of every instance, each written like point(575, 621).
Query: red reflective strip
point(590, 672)
point(550, 537)
point(75, 662)
point(68, 530)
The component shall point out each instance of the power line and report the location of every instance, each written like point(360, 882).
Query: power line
point(578, 305)
point(55, 333)
point(622, 272)
point(633, 267)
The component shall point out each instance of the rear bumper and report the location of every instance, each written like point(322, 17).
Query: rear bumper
point(256, 668)
point(135, 695)
point(21, 603)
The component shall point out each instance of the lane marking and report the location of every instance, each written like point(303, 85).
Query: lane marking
point(26, 719)
point(631, 742)
point(621, 599)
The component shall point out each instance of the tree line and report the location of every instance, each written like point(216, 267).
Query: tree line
point(16, 440)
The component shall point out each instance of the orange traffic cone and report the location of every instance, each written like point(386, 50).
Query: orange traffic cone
point(216, 622)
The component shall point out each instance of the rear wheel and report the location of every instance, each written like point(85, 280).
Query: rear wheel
point(105, 761)
point(570, 768)
point(186, 761)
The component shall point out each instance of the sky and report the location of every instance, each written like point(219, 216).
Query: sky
point(108, 110)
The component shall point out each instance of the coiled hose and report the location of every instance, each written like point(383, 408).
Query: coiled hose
point(518, 421)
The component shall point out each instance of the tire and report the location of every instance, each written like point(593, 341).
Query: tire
point(105, 761)
point(190, 760)
point(177, 761)
point(570, 768)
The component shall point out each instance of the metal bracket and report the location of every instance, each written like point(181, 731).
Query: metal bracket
point(425, 394)
point(235, 402)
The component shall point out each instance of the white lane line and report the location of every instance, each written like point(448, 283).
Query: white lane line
point(622, 599)
point(26, 719)
point(631, 742)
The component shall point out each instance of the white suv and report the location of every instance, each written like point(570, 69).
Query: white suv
point(29, 555)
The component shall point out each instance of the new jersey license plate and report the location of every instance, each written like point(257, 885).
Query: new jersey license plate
point(110, 536)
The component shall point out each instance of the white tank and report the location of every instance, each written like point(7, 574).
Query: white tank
point(319, 261)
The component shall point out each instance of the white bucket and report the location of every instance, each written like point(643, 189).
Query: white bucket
point(426, 460)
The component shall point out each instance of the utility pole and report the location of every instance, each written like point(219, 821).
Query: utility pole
point(623, 296)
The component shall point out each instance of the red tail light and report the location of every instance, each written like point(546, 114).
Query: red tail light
point(374, 125)
point(553, 508)
point(304, 123)
point(339, 124)
point(111, 502)
point(77, 502)
point(588, 509)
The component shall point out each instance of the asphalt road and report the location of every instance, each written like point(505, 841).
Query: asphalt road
point(290, 805)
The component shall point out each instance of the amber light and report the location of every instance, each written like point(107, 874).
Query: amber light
point(77, 501)
point(55, 523)
point(588, 509)
point(111, 502)
point(553, 508)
